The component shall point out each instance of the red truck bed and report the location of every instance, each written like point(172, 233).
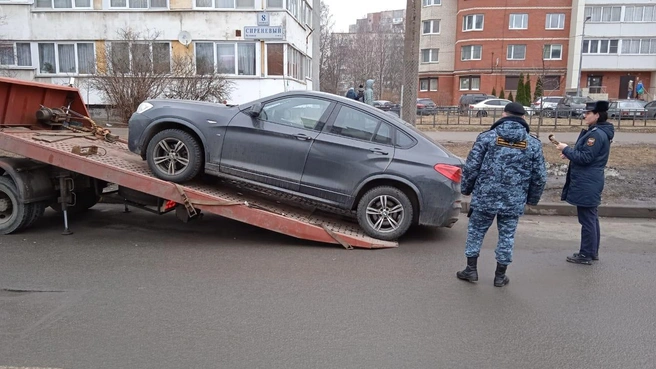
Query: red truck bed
point(114, 163)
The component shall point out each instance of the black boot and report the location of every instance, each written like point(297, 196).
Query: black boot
point(580, 259)
point(470, 273)
point(500, 278)
point(594, 257)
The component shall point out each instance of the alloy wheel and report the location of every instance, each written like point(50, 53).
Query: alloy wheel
point(385, 213)
point(171, 156)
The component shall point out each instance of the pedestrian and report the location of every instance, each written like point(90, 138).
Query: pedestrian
point(360, 96)
point(640, 90)
point(585, 177)
point(630, 89)
point(505, 170)
point(351, 93)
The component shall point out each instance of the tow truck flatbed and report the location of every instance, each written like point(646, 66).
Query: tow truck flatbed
point(114, 163)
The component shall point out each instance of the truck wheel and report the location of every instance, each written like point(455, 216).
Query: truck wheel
point(84, 200)
point(174, 155)
point(385, 213)
point(36, 209)
point(13, 213)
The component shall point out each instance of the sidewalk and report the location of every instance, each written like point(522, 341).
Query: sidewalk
point(568, 137)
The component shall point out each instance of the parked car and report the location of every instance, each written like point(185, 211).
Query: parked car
point(318, 146)
point(627, 108)
point(546, 105)
point(572, 106)
point(651, 109)
point(426, 106)
point(470, 99)
point(494, 107)
point(385, 105)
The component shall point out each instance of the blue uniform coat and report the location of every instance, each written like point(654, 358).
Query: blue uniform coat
point(588, 159)
point(505, 169)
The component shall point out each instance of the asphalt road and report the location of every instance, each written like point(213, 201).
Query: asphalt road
point(141, 291)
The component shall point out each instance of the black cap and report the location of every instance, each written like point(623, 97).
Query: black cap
point(597, 106)
point(515, 108)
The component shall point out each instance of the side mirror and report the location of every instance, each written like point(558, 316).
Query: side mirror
point(256, 109)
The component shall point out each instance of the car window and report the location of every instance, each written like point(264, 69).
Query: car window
point(651, 104)
point(403, 140)
point(384, 134)
point(613, 106)
point(631, 105)
point(355, 124)
point(301, 112)
point(552, 99)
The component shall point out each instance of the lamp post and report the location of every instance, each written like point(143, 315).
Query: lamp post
point(578, 81)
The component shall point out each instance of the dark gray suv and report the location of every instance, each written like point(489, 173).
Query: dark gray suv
point(322, 147)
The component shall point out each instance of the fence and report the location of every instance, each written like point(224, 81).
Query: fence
point(451, 117)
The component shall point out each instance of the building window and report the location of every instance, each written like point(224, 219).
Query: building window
point(555, 21)
point(274, 4)
point(553, 52)
point(511, 83)
point(432, 2)
point(431, 27)
point(225, 58)
point(640, 13)
point(603, 13)
point(518, 21)
point(295, 63)
point(136, 4)
point(472, 22)
point(140, 57)
point(221, 4)
point(600, 46)
point(470, 83)
point(16, 54)
point(516, 52)
point(66, 58)
point(551, 83)
point(428, 84)
point(471, 52)
point(308, 68)
point(639, 46)
point(275, 60)
point(429, 55)
point(293, 7)
point(63, 4)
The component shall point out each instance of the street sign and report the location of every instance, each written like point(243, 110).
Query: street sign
point(264, 33)
point(262, 19)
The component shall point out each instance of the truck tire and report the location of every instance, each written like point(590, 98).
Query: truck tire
point(13, 214)
point(385, 213)
point(84, 200)
point(174, 155)
point(36, 209)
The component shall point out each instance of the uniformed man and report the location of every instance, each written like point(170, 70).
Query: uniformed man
point(504, 171)
point(585, 177)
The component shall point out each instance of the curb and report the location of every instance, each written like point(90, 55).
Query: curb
point(564, 209)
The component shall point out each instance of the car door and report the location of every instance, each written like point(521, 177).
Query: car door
point(354, 145)
point(272, 148)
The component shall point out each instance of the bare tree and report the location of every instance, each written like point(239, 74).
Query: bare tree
point(4, 72)
point(411, 60)
point(130, 71)
point(193, 81)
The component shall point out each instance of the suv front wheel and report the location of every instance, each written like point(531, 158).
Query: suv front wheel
point(174, 155)
point(385, 213)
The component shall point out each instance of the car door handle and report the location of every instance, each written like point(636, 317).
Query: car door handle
point(303, 137)
point(378, 151)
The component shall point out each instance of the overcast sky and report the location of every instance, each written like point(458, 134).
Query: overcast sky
point(345, 12)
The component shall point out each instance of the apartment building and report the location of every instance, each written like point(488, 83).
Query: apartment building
point(481, 46)
point(618, 45)
point(263, 46)
point(385, 21)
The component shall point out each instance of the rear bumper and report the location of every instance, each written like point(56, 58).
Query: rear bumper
point(442, 216)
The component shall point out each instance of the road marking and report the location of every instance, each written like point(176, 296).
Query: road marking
point(24, 367)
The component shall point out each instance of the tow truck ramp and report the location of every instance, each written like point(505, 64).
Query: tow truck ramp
point(114, 163)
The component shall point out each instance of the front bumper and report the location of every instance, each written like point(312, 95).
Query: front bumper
point(136, 127)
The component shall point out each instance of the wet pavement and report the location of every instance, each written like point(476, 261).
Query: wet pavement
point(144, 291)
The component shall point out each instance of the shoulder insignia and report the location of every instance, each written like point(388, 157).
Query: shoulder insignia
point(591, 141)
point(514, 145)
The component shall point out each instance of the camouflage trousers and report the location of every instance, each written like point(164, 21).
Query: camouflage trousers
point(479, 223)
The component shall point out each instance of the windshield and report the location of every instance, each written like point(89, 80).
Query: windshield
point(631, 105)
point(580, 100)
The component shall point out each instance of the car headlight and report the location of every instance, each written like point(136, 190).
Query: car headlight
point(144, 106)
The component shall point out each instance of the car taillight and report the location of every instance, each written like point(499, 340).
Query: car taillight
point(471, 106)
point(420, 106)
point(449, 171)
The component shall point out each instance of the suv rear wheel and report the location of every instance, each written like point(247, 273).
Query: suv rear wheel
point(385, 213)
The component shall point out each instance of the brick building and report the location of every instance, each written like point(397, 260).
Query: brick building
point(487, 46)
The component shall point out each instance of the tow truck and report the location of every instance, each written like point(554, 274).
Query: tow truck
point(53, 155)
